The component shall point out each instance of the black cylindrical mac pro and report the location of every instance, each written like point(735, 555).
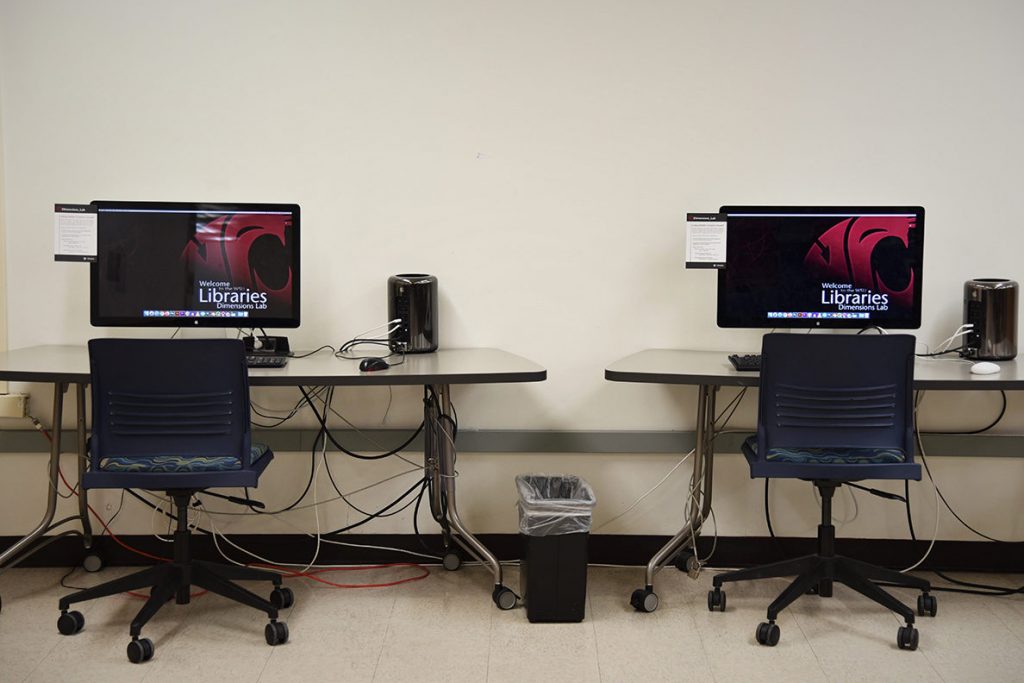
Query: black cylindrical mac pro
point(412, 301)
point(990, 305)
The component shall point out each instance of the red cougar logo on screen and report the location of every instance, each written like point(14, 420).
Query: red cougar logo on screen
point(849, 252)
point(247, 250)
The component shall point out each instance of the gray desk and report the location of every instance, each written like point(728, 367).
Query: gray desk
point(710, 370)
point(64, 366)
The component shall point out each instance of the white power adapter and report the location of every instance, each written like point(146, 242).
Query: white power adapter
point(13, 405)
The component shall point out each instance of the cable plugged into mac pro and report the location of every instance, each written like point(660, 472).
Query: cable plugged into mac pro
point(264, 343)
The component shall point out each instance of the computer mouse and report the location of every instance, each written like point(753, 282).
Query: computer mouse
point(373, 364)
point(984, 368)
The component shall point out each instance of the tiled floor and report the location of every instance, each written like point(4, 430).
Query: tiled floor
point(445, 628)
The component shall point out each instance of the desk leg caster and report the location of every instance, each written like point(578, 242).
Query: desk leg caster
point(140, 650)
point(644, 599)
point(907, 637)
point(768, 633)
point(70, 623)
point(451, 561)
point(92, 563)
point(504, 598)
point(687, 562)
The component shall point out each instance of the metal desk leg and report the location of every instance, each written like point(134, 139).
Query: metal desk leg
point(83, 500)
point(432, 455)
point(645, 599)
point(51, 498)
point(443, 429)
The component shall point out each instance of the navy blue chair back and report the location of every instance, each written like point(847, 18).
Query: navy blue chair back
point(837, 393)
point(177, 398)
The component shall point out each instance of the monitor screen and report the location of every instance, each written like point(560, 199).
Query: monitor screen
point(824, 266)
point(171, 264)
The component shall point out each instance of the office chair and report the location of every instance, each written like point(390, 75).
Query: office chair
point(173, 416)
point(833, 409)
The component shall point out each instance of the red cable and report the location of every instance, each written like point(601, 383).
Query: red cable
point(122, 543)
point(95, 514)
point(286, 571)
point(312, 574)
point(107, 528)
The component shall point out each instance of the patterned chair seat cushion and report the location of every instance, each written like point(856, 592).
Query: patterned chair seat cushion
point(180, 463)
point(837, 456)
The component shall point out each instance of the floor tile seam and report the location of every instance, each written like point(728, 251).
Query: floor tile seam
point(700, 637)
point(936, 669)
point(593, 633)
point(384, 639)
point(266, 662)
point(40, 661)
point(814, 653)
point(298, 604)
point(490, 643)
point(935, 665)
point(810, 646)
point(55, 642)
point(896, 619)
point(1016, 636)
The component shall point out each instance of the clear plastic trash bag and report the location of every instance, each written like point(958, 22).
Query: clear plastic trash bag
point(554, 504)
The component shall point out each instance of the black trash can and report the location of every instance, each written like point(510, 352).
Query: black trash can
point(555, 513)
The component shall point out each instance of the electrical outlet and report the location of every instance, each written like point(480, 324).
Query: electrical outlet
point(13, 405)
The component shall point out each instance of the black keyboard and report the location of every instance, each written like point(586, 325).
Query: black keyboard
point(265, 360)
point(746, 362)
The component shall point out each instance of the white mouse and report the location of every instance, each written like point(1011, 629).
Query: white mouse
point(984, 368)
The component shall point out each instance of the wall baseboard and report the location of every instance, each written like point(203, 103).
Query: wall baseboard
point(604, 549)
point(540, 441)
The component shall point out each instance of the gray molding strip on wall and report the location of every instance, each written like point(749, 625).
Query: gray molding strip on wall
point(526, 441)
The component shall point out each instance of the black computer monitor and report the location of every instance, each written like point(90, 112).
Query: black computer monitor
point(175, 264)
point(822, 266)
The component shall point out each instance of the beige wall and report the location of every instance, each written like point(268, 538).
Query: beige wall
point(3, 239)
point(539, 158)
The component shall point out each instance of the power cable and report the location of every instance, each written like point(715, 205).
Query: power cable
point(353, 454)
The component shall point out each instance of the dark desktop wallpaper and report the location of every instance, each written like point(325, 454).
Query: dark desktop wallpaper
point(165, 264)
point(831, 270)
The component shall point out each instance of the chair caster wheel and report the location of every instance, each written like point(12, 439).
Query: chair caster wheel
point(907, 637)
point(768, 633)
point(644, 600)
point(282, 597)
point(70, 623)
point(716, 600)
point(140, 650)
point(504, 598)
point(276, 633)
point(927, 605)
point(451, 561)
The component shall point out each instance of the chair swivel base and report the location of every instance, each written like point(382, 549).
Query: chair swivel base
point(815, 574)
point(173, 580)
